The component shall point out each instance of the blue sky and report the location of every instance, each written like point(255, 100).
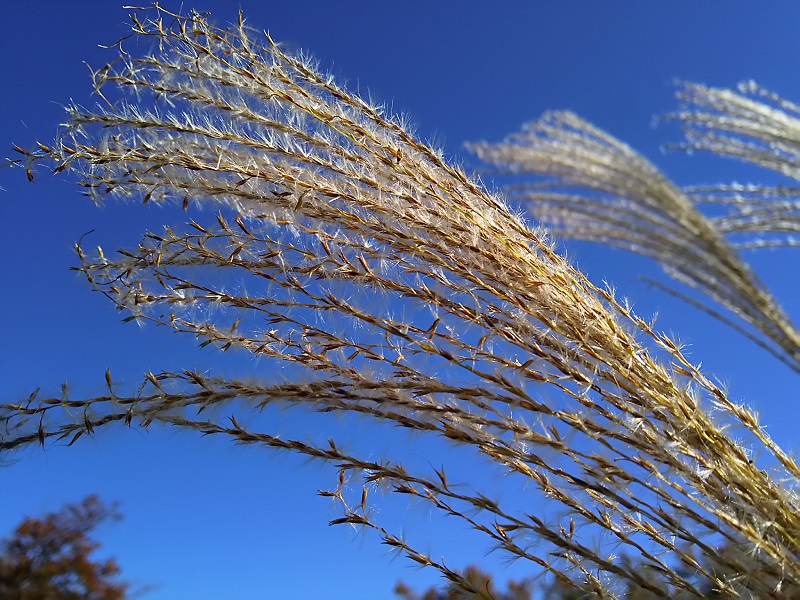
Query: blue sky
point(205, 519)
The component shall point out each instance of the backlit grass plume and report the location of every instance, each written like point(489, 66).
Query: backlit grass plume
point(754, 216)
point(383, 283)
point(752, 124)
point(596, 188)
point(757, 126)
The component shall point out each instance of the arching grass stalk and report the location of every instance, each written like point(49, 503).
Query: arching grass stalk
point(331, 220)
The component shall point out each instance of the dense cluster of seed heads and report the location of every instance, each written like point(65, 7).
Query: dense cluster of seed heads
point(593, 187)
point(383, 282)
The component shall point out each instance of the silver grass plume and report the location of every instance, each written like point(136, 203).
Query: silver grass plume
point(754, 124)
point(594, 187)
point(393, 287)
point(757, 126)
point(755, 216)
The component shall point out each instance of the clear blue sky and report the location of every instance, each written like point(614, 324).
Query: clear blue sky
point(204, 519)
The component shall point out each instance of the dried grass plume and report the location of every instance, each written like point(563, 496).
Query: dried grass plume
point(391, 285)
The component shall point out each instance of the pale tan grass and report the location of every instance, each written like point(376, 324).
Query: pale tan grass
point(483, 335)
point(594, 187)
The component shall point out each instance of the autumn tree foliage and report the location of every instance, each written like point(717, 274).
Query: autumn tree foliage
point(52, 557)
